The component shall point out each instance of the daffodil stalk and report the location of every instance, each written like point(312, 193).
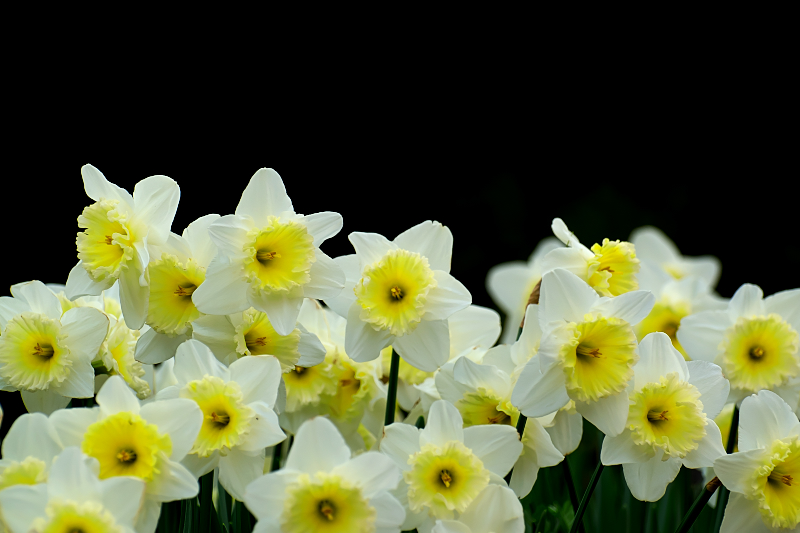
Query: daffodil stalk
point(724, 493)
point(586, 497)
point(698, 505)
point(391, 397)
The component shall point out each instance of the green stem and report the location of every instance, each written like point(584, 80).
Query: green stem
point(724, 493)
point(698, 505)
point(391, 398)
point(586, 496)
point(573, 495)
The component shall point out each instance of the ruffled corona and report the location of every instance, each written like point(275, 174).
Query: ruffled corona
point(33, 352)
point(305, 386)
point(612, 270)
point(256, 336)
point(29, 471)
point(172, 283)
point(392, 292)
point(126, 445)
point(106, 243)
point(760, 353)
point(444, 479)
point(354, 386)
point(326, 503)
point(599, 358)
point(667, 415)
point(667, 319)
point(226, 418)
point(117, 354)
point(279, 256)
point(71, 517)
point(485, 407)
point(776, 485)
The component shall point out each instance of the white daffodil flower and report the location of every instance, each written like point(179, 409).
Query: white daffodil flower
point(657, 252)
point(587, 352)
point(495, 510)
point(670, 419)
point(445, 467)
point(269, 256)
point(400, 293)
point(119, 229)
point(47, 356)
point(755, 341)
point(146, 441)
point(177, 268)
point(74, 499)
point(610, 268)
point(238, 420)
point(762, 474)
point(510, 285)
point(321, 488)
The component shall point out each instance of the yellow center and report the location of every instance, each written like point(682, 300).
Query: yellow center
point(117, 355)
point(612, 270)
point(29, 471)
point(256, 336)
point(775, 486)
point(126, 445)
point(666, 318)
point(107, 242)
point(172, 283)
point(33, 352)
point(444, 479)
point(71, 517)
point(485, 407)
point(392, 291)
point(326, 503)
point(305, 386)
point(226, 419)
point(599, 359)
point(760, 353)
point(279, 256)
point(668, 415)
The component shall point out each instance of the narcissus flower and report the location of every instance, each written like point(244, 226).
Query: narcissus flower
point(119, 230)
point(755, 341)
point(670, 419)
point(400, 293)
point(45, 355)
point(269, 256)
point(322, 489)
point(587, 352)
point(495, 510)
point(657, 252)
point(763, 475)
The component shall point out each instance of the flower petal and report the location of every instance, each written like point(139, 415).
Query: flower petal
point(743, 516)
point(115, 396)
point(322, 226)
point(71, 424)
point(265, 429)
point(747, 301)
point(763, 419)
point(32, 435)
point(264, 496)
point(350, 265)
point(80, 284)
point(736, 470)
point(448, 297)
point(537, 394)
point(224, 290)
point(710, 448)
point(370, 247)
point(621, 449)
point(607, 414)
point(238, 469)
point(180, 418)
point(133, 297)
point(327, 278)
point(229, 234)
point(497, 446)
point(566, 431)
point(194, 361)
point(427, 347)
point(153, 347)
point(474, 376)
point(44, 401)
point(86, 329)
point(564, 296)
point(173, 482)
point(648, 481)
point(122, 496)
point(264, 195)
point(98, 187)
point(156, 202)
point(657, 358)
point(389, 513)
point(701, 333)
point(74, 476)
point(496, 508)
point(318, 447)
point(258, 376)
point(786, 304)
point(713, 386)
point(79, 383)
point(281, 308)
point(430, 239)
point(473, 327)
point(312, 352)
point(38, 297)
point(362, 342)
point(444, 424)
point(28, 502)
point(196, 234)
point(216, 332)
point(631, 307)
point(400, 441)
point(372, 472)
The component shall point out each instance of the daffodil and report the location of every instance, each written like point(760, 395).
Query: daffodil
point(400, 293)
point(762, 476)
point(238, 418)
point(145, 441)
point(118, 231)
point(510, 285)
point(47, 356)
point(269, 256)
point(609, 268)
point(445, 467)
point(670, 419)
point(755, 341)
point(74, 499)
point(321, 489)
point(495, 510)
point(657, 252)
point(587, 352)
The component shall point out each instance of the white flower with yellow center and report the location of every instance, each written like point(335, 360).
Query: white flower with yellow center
point(510, 285)
point(445, 467)
point(657, 252)
point(763, 475)
point(74, 500)
point(269, 256)
point(609, 268)
point(587, 352)
point(322, 490)
point(400, 293)
point(238, 420)
point(118, 231)
point(755, 341)
point(47, 356)
point(495, 510)
point(129, 438)
point(670, 419)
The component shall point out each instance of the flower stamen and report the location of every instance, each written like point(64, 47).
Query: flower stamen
point(655, 416)
point(266, 256)
point(756, 352)
point(126, 456)
point(585, 351)
point(446, 478)
point(397, 293)
point(185, 291)
point(786, 479)
point(326, 509)
point(45, 352)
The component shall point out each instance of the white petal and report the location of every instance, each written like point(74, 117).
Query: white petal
point(524, 475)
point(362, 342)
point(133, 297)
point(427, 347)
point(282, 309)
point(200, 466)
point(747, 301)
point(496, 509)
point(657, 358)
point(706, 267)
point(327, 278)
point(174, 482)
point(180, 418)
point(71, 424)
point(648, 481)
point(216, 332)
point(258, 376)
point(443, 425)
point(79, 382)
point(122, 496)
point(786, 304)
point(322, 226)
point(154, 347)
point(564, 296)
point(713, 387)
point(539, 445)
point(80, 284)
point(497, 446)
point(370, 247)
point(429, 239)
point(32, 435)
point(196, 234)
point(156, 202)
point(318, 447)
point(264, 195)
point(709, 450)
point(450, 526)
point(530, 338)
point(448, 297)
point(147, 519)
point(736, 470)
point(621, 449)
point(506, 284)
point(194, 361)
point(44, 401)
point(38, 297)
point(743, 516)
point(265, 429)
point(473, 327)
point(86, 329)
point(9, 308)
point(372, 472)
point(566, 431)
point(238, 469)
point(400, 441)
point(701, 333)
point(763, 419)
point(73, 476)
point(264, 496)
point(98, 187)
point(224, 290)
point(536, 394)
point(389, 513)
point(607, 414)
point(574, 260)
point(229, 234)
point(473, 375)
point(27, 501)
point(352, 272)
point(500, 357)
point(312, 352)
point(562, 232)
point(632, 307)
point(115, 396)
point(651, 243)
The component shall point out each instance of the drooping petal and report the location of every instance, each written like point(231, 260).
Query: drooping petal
point(86, 329)
point(327, 278)
point(701, 333)
point(448, 297)
point(156, 202)
point(79, 383)
point(607, 414)
point(324, 225)
point(747, 301)
point(264, 195)
point(38, 297)
point(497, 509)
point(427, 347)
point(318, 447)
point(389, 513)
point(153, 347)
point(497, 446)
point(133, 297)
point(265, 429)
point(564, 296)
point(372, 472)
point(180, 418)
point(80, 284)
point(430, 239)
point(566, 431)
point(44, 401)
point(713, 386)
point(237, 469)
point(352, 272)
point(537, 394)
point(743, 516)
point(224, 290)
point(764, 418)
point(443, 425)
point(258, 376)
point(709, 449)
point(400, 442)
point(200, 466)
point(312, 352)
point(621, 449)
point(173, 482)
point(648, 481)
point(281, 308)
point(362, 342)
